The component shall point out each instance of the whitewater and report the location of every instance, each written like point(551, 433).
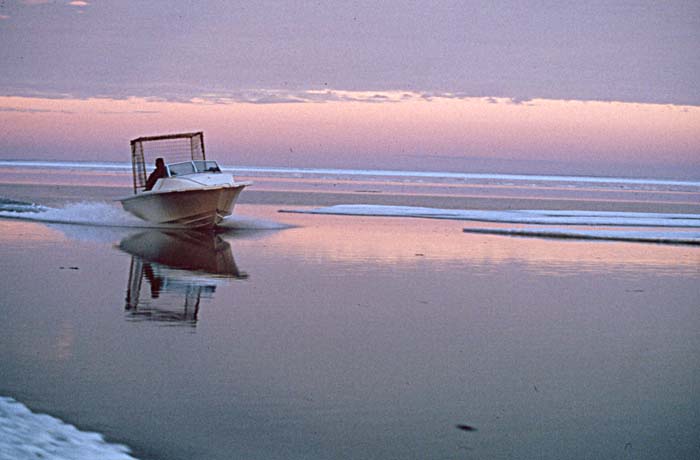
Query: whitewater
point(104, 214)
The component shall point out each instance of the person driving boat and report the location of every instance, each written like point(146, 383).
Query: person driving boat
point(157, 173)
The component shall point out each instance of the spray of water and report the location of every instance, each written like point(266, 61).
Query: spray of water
point(105, 214)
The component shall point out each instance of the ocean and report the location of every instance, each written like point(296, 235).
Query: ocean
point(351, 314)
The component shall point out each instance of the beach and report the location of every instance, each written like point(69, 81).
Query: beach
point(289, 335)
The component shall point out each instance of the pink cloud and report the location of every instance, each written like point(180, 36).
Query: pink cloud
point(43, 2)
point(348, 130)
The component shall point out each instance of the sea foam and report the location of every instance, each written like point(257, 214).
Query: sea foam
point(28, 435)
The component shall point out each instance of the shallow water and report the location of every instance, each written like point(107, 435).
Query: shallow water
point(324, 336)
point(362, 338)
point(645, 227)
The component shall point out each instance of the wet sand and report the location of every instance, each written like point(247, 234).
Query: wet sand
point(352, 337)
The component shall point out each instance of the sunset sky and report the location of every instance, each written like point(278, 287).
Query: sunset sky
point(598, 86)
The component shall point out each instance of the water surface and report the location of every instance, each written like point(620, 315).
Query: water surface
point(326, 336)
point(338, 336)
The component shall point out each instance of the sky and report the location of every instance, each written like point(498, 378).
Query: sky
point(578, 87)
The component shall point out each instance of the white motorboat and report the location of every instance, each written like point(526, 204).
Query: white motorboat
point(191, 191)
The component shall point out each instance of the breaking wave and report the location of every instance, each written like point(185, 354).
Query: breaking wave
point(28, 435)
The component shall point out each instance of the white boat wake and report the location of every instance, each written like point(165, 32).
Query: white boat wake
point(104, 214)
point(91, 213)
point(241, 222)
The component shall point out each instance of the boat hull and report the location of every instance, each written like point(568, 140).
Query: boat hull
point(192, 208)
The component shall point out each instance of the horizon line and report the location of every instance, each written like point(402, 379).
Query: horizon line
point(126, 167)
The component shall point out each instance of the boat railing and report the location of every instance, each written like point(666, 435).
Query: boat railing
point(172, 148)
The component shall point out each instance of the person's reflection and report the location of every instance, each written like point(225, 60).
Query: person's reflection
point(173, 299)
point(172, 271)
point(156, 282)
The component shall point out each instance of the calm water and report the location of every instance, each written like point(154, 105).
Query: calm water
point(316, 337)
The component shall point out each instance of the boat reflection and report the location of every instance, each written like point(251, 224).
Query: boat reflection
point(172, 271)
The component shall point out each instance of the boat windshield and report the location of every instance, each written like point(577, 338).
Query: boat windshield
point(192, 167)
point(206, 166)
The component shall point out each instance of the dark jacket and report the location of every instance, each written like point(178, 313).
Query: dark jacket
point(155, 175)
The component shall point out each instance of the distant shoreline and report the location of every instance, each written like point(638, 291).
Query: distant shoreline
point(264, 171)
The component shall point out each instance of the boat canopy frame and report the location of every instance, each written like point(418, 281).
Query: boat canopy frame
point(172, 148)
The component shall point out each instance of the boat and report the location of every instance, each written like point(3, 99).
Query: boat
point(203, 255)
point(190, 192)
